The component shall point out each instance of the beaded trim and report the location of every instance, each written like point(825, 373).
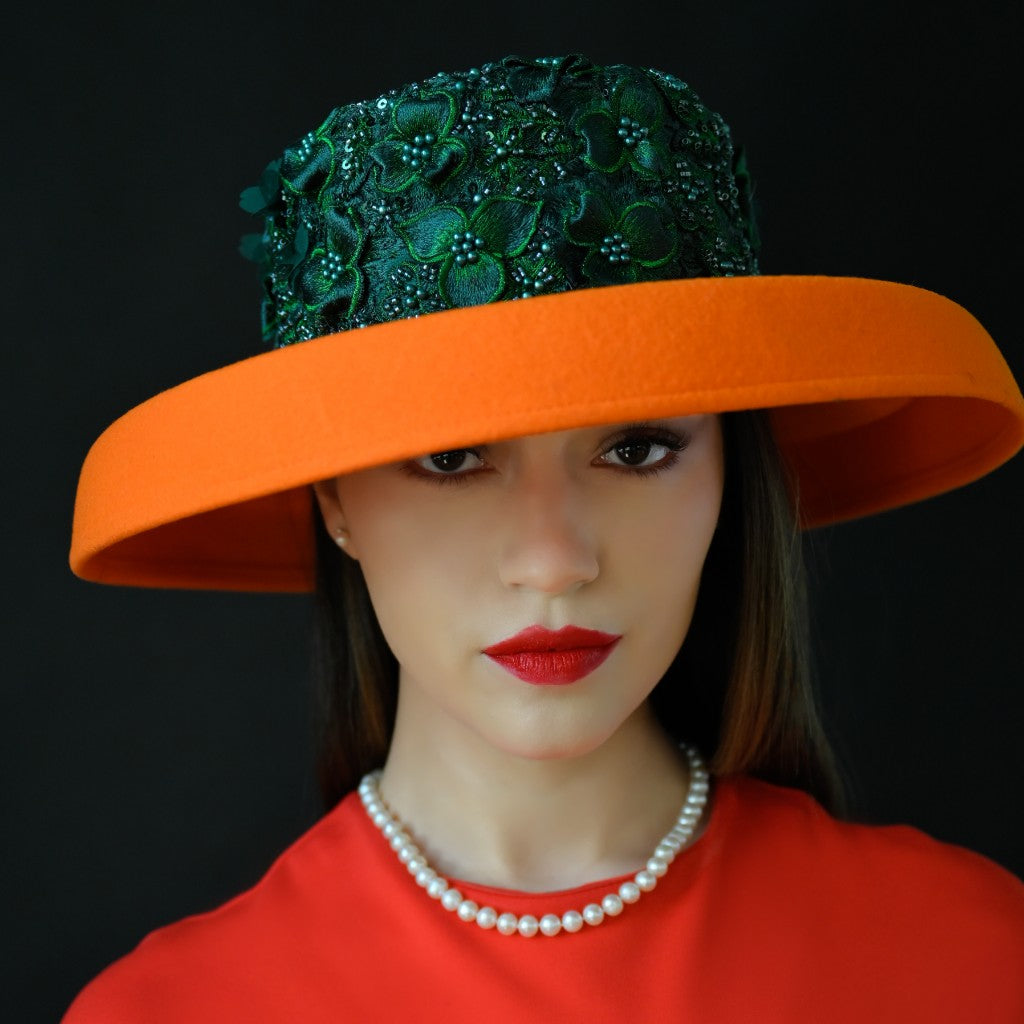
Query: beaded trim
point(527, 925)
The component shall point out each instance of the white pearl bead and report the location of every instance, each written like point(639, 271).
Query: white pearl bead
point(437, 888)
point(593, 914)
point(550, 924)
point(507, 924)
point(486, 917)
point(416, 865)
point(645, 880)
point(629, 892)
point(451, 898)
point(398, 841)
point(612, 905)
point(380, 819)
point(528, 926)
point(467, 910)
point(425, 876)
point(389, 829)
point(657, 867)
point(572, 920)
point(406, 853)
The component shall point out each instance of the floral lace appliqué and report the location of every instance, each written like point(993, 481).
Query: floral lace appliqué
point(420, 145)
point(472, 249)
point(624, 245)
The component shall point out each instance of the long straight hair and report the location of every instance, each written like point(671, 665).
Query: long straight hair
point(740, 687)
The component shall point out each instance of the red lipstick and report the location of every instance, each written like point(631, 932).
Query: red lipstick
point(548, 657)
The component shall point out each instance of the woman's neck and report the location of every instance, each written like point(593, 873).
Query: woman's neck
point(484, 815)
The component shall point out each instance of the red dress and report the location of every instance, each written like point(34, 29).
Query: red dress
point(778, 913)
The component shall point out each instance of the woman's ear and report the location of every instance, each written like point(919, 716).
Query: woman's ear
point(333, 514)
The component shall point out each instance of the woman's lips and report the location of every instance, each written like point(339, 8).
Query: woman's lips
point(548, 657)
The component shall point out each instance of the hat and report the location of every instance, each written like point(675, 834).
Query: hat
point(528, 246)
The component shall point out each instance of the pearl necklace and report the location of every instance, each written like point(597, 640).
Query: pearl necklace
point(527, 925)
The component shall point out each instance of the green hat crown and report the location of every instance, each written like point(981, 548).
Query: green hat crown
point(518, 178)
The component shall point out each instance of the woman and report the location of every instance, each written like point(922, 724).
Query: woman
point(554, 487)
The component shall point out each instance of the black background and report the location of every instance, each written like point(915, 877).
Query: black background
point(155, 744)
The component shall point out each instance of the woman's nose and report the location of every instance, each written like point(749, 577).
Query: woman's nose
point(548, 545)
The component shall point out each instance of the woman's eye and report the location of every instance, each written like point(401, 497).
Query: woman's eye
point(644, 453)
point(460, 460)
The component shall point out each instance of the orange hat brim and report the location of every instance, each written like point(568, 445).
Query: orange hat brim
point(882, 394)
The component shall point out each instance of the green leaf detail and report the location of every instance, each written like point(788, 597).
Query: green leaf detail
point(448, 157)
point(270, 181)
point(434, 113)
point(300, 246)
point(343, 298)
point(310, 175)
point(345, 234)
point(313, 285)
point(252, 248)
point(429, 234)
point(251, 200)
point(592, 222)
point(601, 272)
point(505, 225)
point(531, 84)
point(604, 147)
point(639, 101)
point(649, 158)
point(472, 284)
point(650, 243)
point(393, 173)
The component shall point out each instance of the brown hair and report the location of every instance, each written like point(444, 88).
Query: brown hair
point(740, 687)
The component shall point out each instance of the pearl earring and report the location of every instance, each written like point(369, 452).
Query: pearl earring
point(340, 536)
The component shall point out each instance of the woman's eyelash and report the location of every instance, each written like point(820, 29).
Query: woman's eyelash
point(651, 435)
point(654, 437)
point(413, 469)
point(639, 435)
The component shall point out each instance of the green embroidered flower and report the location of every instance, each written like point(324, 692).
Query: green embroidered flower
point(309, 166)
point(472, 249)
point(329, 281)
point(628, 130)
point(623, 246)
point(536, 81)
point(420, 144)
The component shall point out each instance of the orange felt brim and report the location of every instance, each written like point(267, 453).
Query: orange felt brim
point(882, 394)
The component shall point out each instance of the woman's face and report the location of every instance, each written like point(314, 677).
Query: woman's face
point(602, 528)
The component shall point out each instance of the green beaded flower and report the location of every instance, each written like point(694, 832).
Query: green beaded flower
point(309, 166)
point(472, 250)
point(329, 280)
point(628, 130)
point(419, 145)
point(623, 246)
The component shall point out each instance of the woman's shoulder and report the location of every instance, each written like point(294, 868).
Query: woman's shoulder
point(896, 876)
point(222, 957)
point(792, 826)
